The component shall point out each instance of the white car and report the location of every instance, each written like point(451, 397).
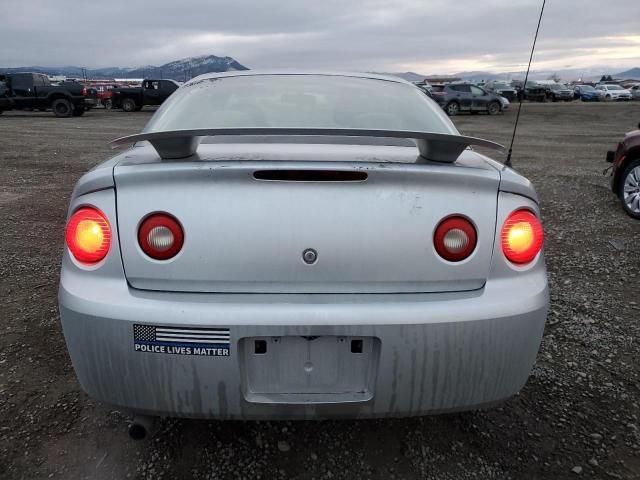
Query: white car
point(614, 92)
point(635, 91)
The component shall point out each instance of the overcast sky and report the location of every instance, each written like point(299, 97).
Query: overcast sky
point(427, 36)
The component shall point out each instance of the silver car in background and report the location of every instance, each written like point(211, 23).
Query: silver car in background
point(302, 246)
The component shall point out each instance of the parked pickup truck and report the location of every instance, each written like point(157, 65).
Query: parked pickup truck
point(534, 92)
point(502, 88)
point(558, 91)
point(152, 92)
point(20, 91)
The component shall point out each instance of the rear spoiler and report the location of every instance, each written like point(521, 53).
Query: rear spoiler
point(439, 147)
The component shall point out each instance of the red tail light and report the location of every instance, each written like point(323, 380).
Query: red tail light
point(84, 91)
point(88, 235)
point(455, 238)
point(521, 237)
point(160, 236)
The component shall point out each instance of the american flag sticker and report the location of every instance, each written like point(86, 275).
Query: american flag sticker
point(210, 342)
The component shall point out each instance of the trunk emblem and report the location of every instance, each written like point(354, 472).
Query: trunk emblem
point(309, 256)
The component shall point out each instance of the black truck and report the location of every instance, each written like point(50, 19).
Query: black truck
point(34, 91)
point(534, 92)
point(152, 92)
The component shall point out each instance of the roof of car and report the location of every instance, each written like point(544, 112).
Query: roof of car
point(248, 73)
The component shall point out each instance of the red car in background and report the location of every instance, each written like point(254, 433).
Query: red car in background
point(105, 94)
point(625, 172)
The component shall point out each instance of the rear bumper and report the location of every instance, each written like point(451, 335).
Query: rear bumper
point(437, 352)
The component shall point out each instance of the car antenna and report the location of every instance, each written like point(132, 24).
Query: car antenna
point(524, 86)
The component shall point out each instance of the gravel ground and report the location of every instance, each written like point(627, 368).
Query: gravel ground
point(576, 417)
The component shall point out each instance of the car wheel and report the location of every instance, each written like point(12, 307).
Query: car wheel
point(453, 109)
point(108, 104)
point(553, 98)
point(493, 108)
point(607, 98)
point(128, 105)
point(78, 111)
point(62, 108)
point(630, 189)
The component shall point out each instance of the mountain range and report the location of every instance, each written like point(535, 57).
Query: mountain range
point(186, 68)
point(180, 70)
point(584, 74)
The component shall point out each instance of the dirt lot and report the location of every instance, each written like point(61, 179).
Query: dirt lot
point(576, 417)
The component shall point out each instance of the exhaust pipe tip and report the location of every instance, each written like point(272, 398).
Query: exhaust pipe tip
point(137, 431)
point(142, 427)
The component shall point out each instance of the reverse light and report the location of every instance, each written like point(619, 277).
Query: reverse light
point(88, 235)
point(455, 238)
point(160, 236)
point(521, 237)
point(84, 91)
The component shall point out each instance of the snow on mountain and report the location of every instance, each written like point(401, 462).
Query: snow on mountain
point(193, 66)
point(180, 70)
point(186, 68)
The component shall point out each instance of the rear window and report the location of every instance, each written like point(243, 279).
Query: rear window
point(41, 81)
point(460, 88)
point(168, 85)
point(300, 101)
point(22, 81)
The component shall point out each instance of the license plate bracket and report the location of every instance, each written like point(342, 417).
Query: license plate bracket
point(309, 369)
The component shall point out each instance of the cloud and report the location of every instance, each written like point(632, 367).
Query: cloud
point(434, 36)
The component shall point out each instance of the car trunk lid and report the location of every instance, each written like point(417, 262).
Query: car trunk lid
point(247, 225)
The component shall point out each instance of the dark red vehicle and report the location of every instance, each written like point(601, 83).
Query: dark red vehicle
point(625, 172)
point(105, 93)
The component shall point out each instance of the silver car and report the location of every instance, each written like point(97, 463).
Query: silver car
point(302, 246)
